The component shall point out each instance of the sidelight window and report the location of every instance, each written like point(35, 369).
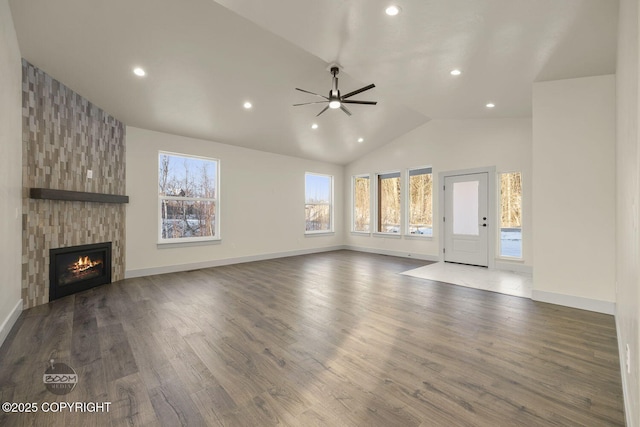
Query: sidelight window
point(511, 215)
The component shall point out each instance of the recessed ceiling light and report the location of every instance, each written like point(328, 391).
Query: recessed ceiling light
point(392, 10)
point(247, 105)
point(361, 140)
point(139, 72)
point(314, 126)
point(456, 72)
point(491, 105)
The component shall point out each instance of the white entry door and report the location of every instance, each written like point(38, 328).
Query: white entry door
point(466, 219)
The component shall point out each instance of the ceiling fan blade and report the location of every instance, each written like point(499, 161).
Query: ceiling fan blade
point(346, 101)
point(306, 91)
point(307, 103)
point(355, 92)
point(323, 110)
point(343, 108)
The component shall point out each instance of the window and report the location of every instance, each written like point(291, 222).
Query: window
point(420, 221)
point(389, 202)
point(511, 215)
point(361, 204)
point(188, 198)
point(318, 203)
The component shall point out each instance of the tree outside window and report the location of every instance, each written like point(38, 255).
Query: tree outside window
point(361, 204)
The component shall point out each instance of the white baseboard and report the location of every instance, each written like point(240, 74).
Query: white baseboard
point(598, 306)
point(11, 319)
point(623, 372)
point(423, 257)
point(129, 274)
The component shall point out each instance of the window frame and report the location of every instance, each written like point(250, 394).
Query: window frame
point(331, 204)
point(353, 204)
point(407, 205)
point(499, 218)
point(216, 201)
point(378, 201)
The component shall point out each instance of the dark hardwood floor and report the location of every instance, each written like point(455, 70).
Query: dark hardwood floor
point(332, 339)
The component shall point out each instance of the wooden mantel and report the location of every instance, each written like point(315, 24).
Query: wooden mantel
point(75, 196)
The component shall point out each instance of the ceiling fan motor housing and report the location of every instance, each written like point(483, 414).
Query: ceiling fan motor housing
point(336, 100)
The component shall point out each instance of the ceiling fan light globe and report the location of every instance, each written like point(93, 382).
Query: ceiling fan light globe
point(334, 104)
point(392, 10)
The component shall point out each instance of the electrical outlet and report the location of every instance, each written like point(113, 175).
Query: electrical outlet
point(89, 174)
point(628, 359)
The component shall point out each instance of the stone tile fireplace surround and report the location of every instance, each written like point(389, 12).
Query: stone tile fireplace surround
point(65, 136)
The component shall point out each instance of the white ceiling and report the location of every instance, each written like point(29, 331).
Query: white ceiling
point(205, 58)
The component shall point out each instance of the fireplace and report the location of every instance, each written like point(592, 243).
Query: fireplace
point(78, 268)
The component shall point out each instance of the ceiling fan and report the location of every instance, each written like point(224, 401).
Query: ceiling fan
point(336, 100)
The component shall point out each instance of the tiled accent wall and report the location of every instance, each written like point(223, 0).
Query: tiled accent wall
point(64, 136)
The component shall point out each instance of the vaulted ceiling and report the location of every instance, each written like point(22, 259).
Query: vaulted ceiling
point(205, 58)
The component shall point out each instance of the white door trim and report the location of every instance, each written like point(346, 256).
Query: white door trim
point(492, 207)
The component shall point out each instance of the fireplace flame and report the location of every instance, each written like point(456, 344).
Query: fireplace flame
point(83, 264)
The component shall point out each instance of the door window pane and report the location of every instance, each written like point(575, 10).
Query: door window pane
point(465, 208)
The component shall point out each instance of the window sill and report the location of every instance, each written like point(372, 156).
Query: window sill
point(388, 235)
point(418, 237)
point(361, 233)
point(319, 233)
point(169, 245)
point(510, 259)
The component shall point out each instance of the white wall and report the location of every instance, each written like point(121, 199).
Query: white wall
point(574, 192)
point(10, 172)
point(262, 205)
point(449, 145)
point(627, 236)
